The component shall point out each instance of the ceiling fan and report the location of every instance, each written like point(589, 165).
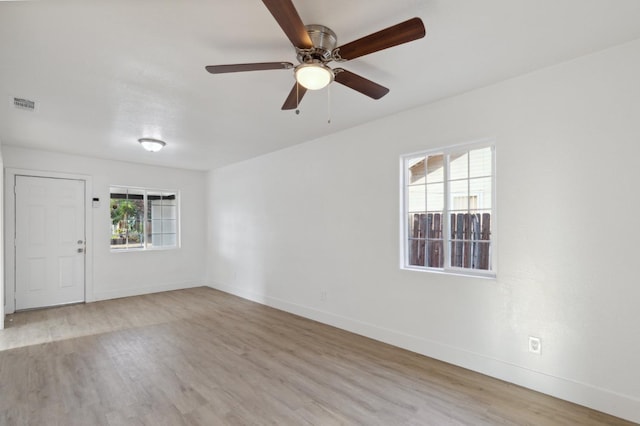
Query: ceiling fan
point(316, 46)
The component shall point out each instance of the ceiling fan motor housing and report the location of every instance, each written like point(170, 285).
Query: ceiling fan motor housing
point(324, 41)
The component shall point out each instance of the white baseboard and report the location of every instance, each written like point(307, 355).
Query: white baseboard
point(604, 400)
point(138, 291)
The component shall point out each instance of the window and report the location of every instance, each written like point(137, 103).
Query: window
point(449, 210)
point(143, 219)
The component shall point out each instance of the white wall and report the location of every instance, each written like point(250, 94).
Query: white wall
point(1, 245)
point(323, 217)
point(125, 274)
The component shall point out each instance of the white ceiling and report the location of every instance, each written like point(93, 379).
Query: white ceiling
point(105, 73)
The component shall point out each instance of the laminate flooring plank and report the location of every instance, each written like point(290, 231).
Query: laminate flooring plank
point(118, 418)
point(203, 357)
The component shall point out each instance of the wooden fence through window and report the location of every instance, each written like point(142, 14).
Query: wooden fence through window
point(470, 240)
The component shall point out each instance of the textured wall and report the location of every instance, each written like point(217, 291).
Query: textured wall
point(314, 229)
point(123, 274)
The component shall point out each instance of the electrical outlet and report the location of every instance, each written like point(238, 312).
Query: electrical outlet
point(535, 345)
point(323, 296)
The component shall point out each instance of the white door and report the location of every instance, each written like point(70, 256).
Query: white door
point(50, 241)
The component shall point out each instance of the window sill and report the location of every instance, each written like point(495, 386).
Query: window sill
point(140, 250)
point(490, 275)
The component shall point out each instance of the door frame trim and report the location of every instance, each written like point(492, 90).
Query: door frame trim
point(10, 230)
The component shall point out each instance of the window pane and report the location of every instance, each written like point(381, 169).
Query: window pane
point(470, 247)
point(417, 225)
point(471, 254)
point(481, 227)
point(458, 195)
point(435, 254)
point(480, 190)
point(458, 166)
point(416, 252)
point(481, 255)
point(416, 195)
point(429, 226)
point(435, 168)
point(162, 214)
point(460, 231)
point(435, 223)
point(461, 254)
point(425, 225)
point(415, 170)
point(168, 212)
point(117, 219)
point(435, 197)
point(169, 226)
point(136, 219)
point(435, 248)
point(480, 162)
point(459, 226)
point(169, 240)
point(127, 215)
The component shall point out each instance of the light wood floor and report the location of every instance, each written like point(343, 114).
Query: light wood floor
point(202, 357)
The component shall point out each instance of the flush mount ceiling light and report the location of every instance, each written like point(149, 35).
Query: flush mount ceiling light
point(152, 145)
point(314, 75)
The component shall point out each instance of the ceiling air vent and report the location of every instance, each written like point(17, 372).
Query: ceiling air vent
point(24, 104)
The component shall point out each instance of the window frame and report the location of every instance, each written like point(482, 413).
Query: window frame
point(446, 152)
point(146, 246)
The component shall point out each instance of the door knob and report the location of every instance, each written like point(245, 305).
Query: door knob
point(80, 250)
point(80, 242)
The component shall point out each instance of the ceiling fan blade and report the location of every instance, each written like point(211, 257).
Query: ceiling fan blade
point(403, 32)
point(261, 66)
point(287, 17)
point(295, 96)
point(360, 84)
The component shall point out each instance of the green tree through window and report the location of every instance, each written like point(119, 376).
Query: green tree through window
point(143, 219)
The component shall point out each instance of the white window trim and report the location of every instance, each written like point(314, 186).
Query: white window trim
point(446, 228)
point(178, 220)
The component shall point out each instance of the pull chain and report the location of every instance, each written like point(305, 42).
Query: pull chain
point(297, 98)
point(329, 104)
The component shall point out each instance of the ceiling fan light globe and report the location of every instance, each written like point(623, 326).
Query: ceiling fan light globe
point(314, 76)
point(152, 145)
